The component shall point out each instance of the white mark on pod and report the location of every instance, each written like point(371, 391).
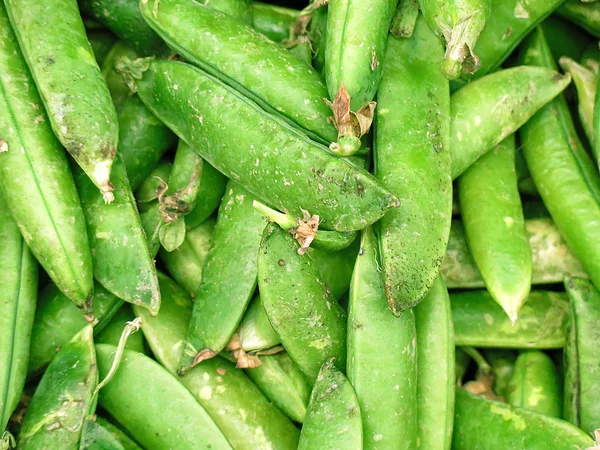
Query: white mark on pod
point(509, 221)
point(3, 146)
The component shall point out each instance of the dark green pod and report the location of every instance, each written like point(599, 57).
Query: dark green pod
point(273, 21)
point(502, 362)
point(101, 41)
point(565, 38)
point(124, 439)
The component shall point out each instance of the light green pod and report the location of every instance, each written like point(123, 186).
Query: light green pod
point(112, 332)
point(255, 331)
point(53, 40)
point(122, 261)
point(534, 384)
point(333, 419)
point(492, 215)
point(377, 339)
point(272, 20)
point(584, 14)
point(310, 324)
point(18, 294)
point(210, 194)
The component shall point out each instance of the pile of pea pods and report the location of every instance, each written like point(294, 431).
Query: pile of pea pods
point(325, 224)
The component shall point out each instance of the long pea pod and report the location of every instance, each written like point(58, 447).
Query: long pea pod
point(485, 424)
point(489, 109)
point(502, 362)
point(586, 15)
point(413, 238)
point(492, 215)
point(273, 21)
point(64, 398)
point(333, 419)
point(212, 117)
point(220, 304)
point(101, 41)
point(212, 188)
point(582, 384)
point(459, 23)
point(35, 179)
point(52, 37)
point(563, 172)
point(246, 418)
point(534, 384)
point(310, 324)
point(122, 261)
point(387, 396)
point(18, 294)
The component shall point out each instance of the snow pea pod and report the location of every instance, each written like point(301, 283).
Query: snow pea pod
point(273, 21)
point(459, 23)
point(122, 261)
point(376, 338)
point(492, 215)
point(18, 294)
point(220, 304)
point(485, 424)
point(101, 41)
point(502, 363)
point(481, 322)
point(64, 398)
point(582, 385)
point(35, 179)
point(212, 188)
point(111, 333)
point(486, 111)
point(586, 15)
point(534, 384)
point(309, 323)
point(246, 418)
point(52, 37)
point(233, 45)
point(415, 166)
point(344, 196)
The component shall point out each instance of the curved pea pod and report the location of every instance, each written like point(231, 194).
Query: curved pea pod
point(187, 262)
point(582, 384)
point(343, 195)
point(459, 23)
point(18, 294)
point(584, 14)
point(126, 398)
point(502, 362)
point(35, 179)
point(228, 49)
point(551, 256)
point(212, 188)
point(481, 322)
point(273, 21)
point(111, 333)
point(122, 261)
point(534, 384)
point(101, 41)
point(52, 37)
point(563, 173)
point(413, 166)
point(485, 424)
point(247, 419)
point(492, 214)
point(310, 324)
point(64, 398)
point(486, 111)
point(255, 331)
point(377, 338)
point(333, 419)
point(220, 304)
point(282, 382)
point(117, 88)
point(126, 441)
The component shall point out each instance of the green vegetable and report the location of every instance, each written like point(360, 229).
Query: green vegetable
point(584, 14)
point(112, 332)
point(272, 20)
point(101, 41)
point(212, 188)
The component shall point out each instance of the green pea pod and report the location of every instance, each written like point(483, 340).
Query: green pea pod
point(534, 384)
point(487, 111)
point(227, 51)
point(584, 14)
point(596, 124)
point(388, 406)
point(52, 37)
point(101, 41)
point(112, 332)
point(256, 332)
point(151, 221)
point(335, 268)
point(126, 441)
point(551, 256)
point(436, 364)
point(357, 33)
point(122, 261)
point(563, 172)
point(273, 21)
point(317, 33)
point(333, 419)
point(492, 215)
point(487, 425)
point(582, 385)
point(459, 23)
point(96, 437)
point(481, 322)
point(57, 320)
point(126, 398)
point(241, 10)
point(246, 418)
point(405, 19)
point(35, 179)
point(565, 38)
point(117, 88)
point(344, 196)
point(187, 262)
point(146, 194)
point(309, 323)
point(18, 294)
point(64, 398)
point(212, 188)
point(220, 304)
point(502, 363)
point(413, 166)
point(462, 362)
